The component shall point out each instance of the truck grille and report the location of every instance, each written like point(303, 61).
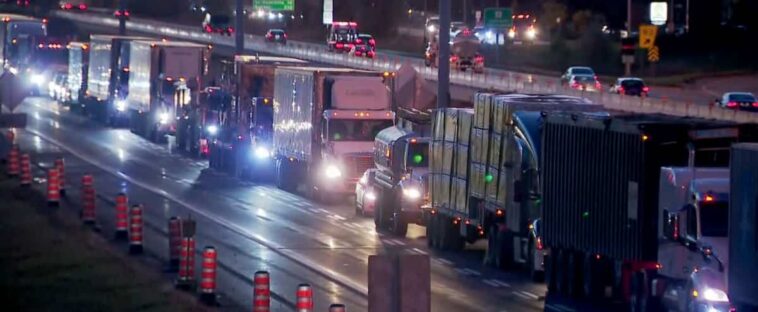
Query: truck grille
point(360, 165)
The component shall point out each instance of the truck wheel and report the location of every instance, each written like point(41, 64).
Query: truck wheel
point(430, 231)
point(504, 249)
point(399, 226)
point(561, 270)
point(451, 237)
point(550, 275)
point(536, 274)
point(575, 261)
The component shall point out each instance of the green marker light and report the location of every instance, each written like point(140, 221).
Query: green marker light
point(488, 178)
point(585, 214)
point(418, 158)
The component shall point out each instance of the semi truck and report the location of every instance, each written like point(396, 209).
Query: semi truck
point(164, 83)
point(464, 52)
point(108, 78)
point(484, 175)
point(400, 181)
point(614, 225)
point(325, 122)
point(743, 228)
point(243, 144)
point(78, 67)
point(18, 42)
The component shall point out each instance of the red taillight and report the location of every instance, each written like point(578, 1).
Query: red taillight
point(372, 42)
point(575, 85)
point(731, 104)
point(208, 29)
point(676, 228)
point(358, 41)
point(126, 13)
point(598, 85)
point(645, 89)
point(285, 36)
point(755, 104)
point(453, 59)
point(621, 90)
point(539, 243)
point(340, 46)
point(230, 29)
point(268, 35)
point(709, 198)
point(118, 13)
point(68, 6)
point(82, 7)
point(479, 59)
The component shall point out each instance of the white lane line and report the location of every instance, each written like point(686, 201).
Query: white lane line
point(324, 210)
point(388, 242)
point(491, 283)
point(420, 251)
point(290, 254)
point(312, 210)
point(356, 225)
point(526, 294)
point(399, 242)
point(501, 283)
point(445, 261)
point(559, 307)
point(338, 217)
point(472, 272)
point(461, 271)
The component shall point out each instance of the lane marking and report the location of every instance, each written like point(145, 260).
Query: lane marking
point(287, 253)
point(420, 251)
point(559, 307)
point(526, 294)
point(472, 272)
point(461, 271)
point(501, 283)
point(491, 283)
point(445, 261)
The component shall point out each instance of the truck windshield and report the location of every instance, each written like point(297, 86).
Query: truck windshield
point(418, 155)
point(714, 219)
point(356, 129)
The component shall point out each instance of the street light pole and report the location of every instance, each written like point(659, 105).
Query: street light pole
point(239, 35)
point(629, 17)
point(443, 58)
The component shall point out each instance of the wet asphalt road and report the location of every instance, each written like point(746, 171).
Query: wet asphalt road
point(257, 226)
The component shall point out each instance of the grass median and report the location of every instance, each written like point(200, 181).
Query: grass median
point(50, 262)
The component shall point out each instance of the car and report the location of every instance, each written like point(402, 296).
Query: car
point(585, 83)
point(576, 70)
point(363, 50)
point(369, 39)
point(745, 101)
point(73, 5)
point(365, 194)
point(277, 36)
point(630, 86)
point(120, 13)
point(220, 24)
point(486, 36)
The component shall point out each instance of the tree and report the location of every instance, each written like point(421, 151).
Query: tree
point(581, 20)
point(553, 15)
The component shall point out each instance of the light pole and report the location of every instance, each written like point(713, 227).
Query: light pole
point(122, 7)
point(239, 42)
point(443, 58)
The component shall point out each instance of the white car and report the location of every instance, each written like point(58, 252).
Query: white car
point(577, 71)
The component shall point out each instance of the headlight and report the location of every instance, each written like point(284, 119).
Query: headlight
point(121, 106)
point(412, 193)
point(212, 129)
point(716, 295)
point(363, 180)
point(431, 28)
point(370, 195)
point(37, 79)
point(332, 172)
point(262, 152)
point(511, 34)
point(489, 35)
point(163, 118)
point(531, 33)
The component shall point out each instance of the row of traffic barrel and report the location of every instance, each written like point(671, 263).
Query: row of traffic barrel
point(181, 240)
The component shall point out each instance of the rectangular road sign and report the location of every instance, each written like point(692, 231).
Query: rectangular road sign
point(274, 5)
point(647, 36)
point(498, 17)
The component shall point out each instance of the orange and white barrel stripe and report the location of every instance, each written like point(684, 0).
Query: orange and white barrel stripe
point(261, 292)
point(304, 298)
point(208, 273)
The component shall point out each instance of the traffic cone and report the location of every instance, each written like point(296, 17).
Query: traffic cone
point(208, 276)
point(88, 181)
point(53, 193)
point(261, 292)
point(135, 229)
point(122, 223)
point(13, 161)
point(174, 241)
point(88, 205)
point(61, 175)
point(304, 297)
point(26, 171)
point(186, 264)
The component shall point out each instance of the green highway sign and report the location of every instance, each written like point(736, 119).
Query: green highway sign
point(274, 5)
point(498, 17)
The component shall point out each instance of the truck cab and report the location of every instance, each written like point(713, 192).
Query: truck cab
point(401, 180)
point(342, 36)
point(693, 228)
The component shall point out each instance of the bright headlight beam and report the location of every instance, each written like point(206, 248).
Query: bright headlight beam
point(715, 295)
point(332, 172)
point(121, 105)
point(412, 193)
point(262, 152)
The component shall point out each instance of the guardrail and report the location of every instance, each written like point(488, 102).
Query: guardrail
point(492, 79)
